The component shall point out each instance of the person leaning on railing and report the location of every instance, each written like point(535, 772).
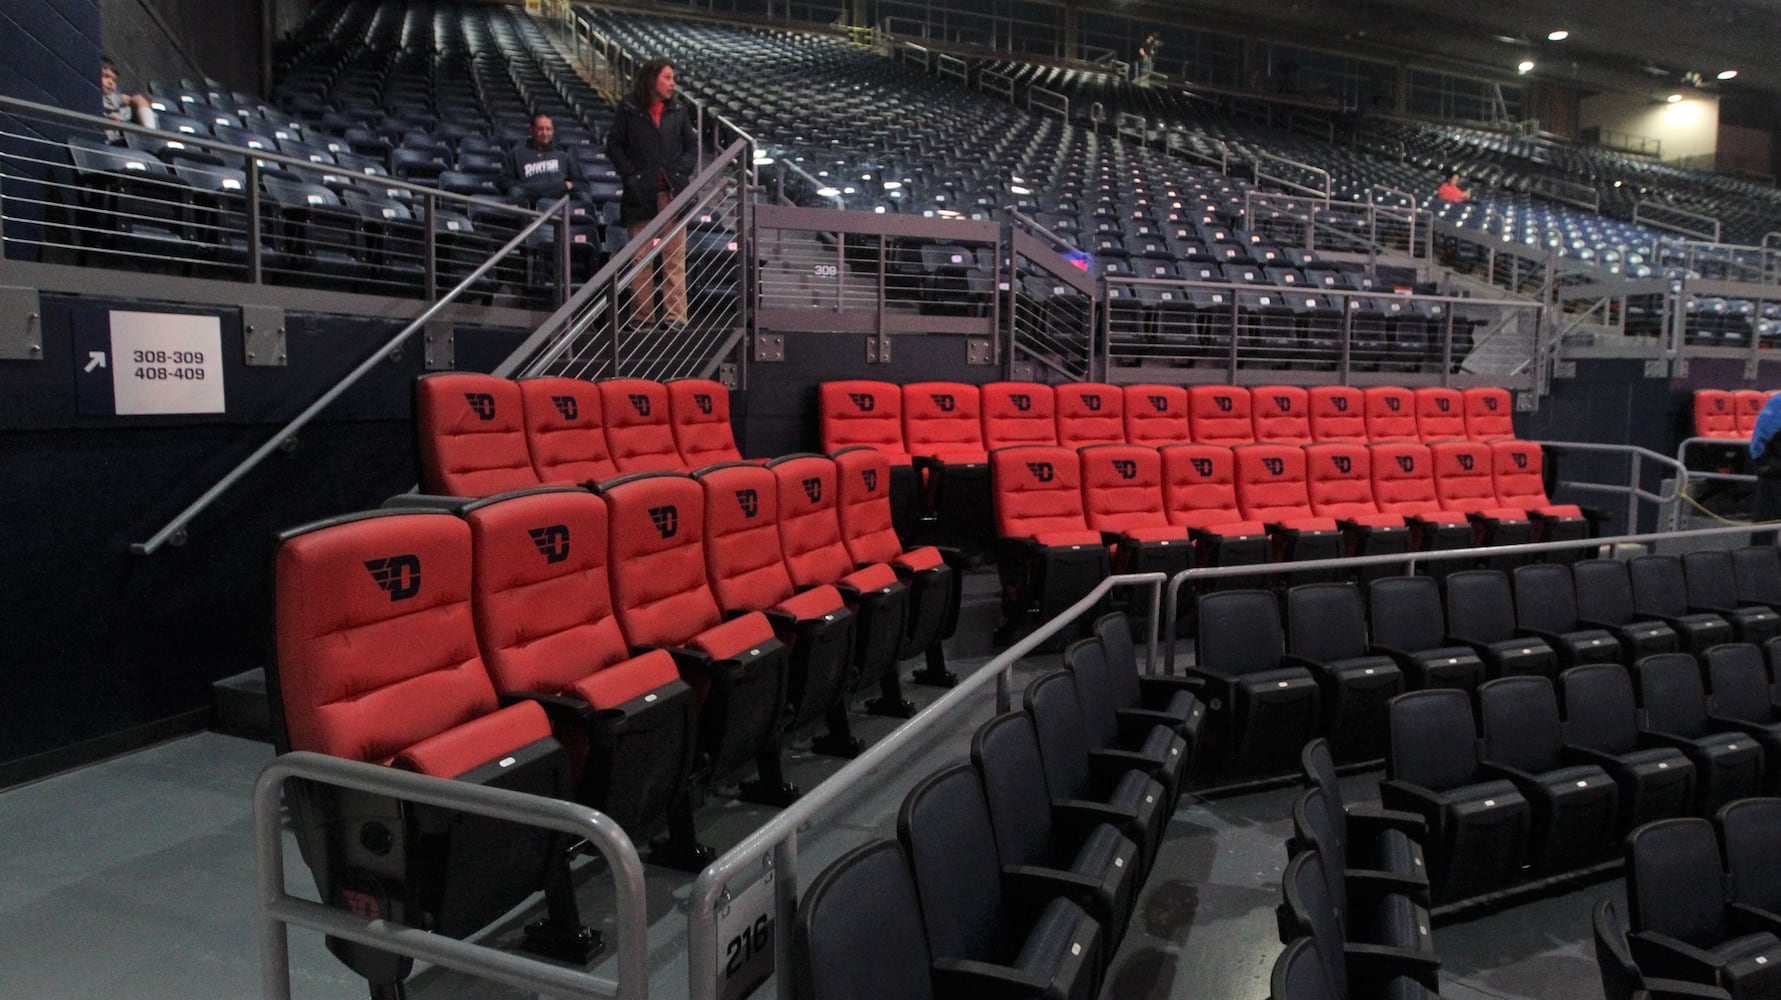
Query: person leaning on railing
point(654, 149)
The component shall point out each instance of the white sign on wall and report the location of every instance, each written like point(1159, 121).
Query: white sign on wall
point(166, 363)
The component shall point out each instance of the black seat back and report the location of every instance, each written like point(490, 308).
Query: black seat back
point(1545, 597)
point(1658, 587)
point(1751, 832)
point(1674, 881)
point(1433, 741)
point(1324, 622)
point(1740, 682)
point(945, 829)
point(1239, 632)
point(1479, 606)
point(1406, 612)
point(1600, 710)
point(1604, 591)
point(1671, 694)
point(859, 933)
point(1521, 727)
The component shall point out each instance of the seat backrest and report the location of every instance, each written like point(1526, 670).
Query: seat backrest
point(375, 644)
point(1338, 413)
point(1339, 479)
point(1479, 605)
point(1199, 485)
point(1005, 751)
point(1406, 612)
point(1739, 679)
point(470, 435)
point(566, 431)
point(1051, 702)
point(1391, 413)
point(1545, 597)
point(1324, 622)
point(809, 520)
point(862, 479)
point(1600, 712)
point(656, 550)
point(1036, 489)
point(1518, 470)
point(1748, 404)
point(1621, 978)
point(1087, 663)
point(945, 829)
point(699, 415)
point(543, 604)
point(1156, 414)
point(1714, 414)
point(859, 933)
point(1271, 482)
point(1750, 829)
point(1520, 723)
point(742, 552)
point(1300, 973)
point(861, 412)
point(1319, 768)
point(1090, 413)
point(1711, 581)
point(1305, 885)
point(1490, 413)
point(1433, 741)
point(1219, 414)
point(1756, 570)
point(1122, 487)
point(1440, 413)
point(1239, 632)
point(1018, 413)
point(1672, 695)
point(1463, 480)
point(942, 418)
point(1674, 881)
point(1658, 586)
point(1281, 414)
point(639, 429)
point(1403, 477)
point(1604, 592)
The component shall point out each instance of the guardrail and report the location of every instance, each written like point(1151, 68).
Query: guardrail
point(1678, 220)
point(1038, 98)
point(1259, 157)
point(773, 848)
point(1051, 303)
point(1000, 84)
point(1581, 195)
point(279, 910)
point(1175, 141)
point(952, 67)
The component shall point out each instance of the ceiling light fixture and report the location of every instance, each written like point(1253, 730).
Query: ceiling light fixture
point(1673, 98)
point(1727, 74)
point(1557, 36)
point(1526, 66)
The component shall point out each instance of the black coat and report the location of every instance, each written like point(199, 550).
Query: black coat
point(647, 156)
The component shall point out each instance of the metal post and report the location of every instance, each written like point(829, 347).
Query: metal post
point(1447, 344)
point(1233, 352)
point(564, 242)
point(255, 226)
point(1347, 361)
point(430, 249)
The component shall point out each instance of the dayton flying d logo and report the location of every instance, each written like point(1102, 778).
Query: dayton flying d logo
point(400, 575)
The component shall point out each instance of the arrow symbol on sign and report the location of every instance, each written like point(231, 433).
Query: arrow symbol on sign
point(95, 359)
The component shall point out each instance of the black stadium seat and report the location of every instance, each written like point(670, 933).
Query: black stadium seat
point(1681, 924)
point(1602, 728)
point(1575, 806)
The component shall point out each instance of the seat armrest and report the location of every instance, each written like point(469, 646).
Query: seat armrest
point(428, 501)
point(1030, 887)
point(1572, 754)
point(1370, 884)
point(1677, 989)
point(1157, 689)
point(1553, 639)
point(1596, 623)
point(1314, 666)
point(1659, 954)
point(1516, 776)
point(1747, 919)
point(1135, 724)
point(685, 660)
point(561, 710)
point(1107, 766)
point(1398, 794)
point(1369, 820)
point(1653, 738)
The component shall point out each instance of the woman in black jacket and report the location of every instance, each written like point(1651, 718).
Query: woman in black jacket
point(654, 149)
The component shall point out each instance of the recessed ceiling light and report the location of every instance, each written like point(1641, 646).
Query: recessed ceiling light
point(1527, 66)
point(1673, 98)
point(1727, 74)
point(1557, 36)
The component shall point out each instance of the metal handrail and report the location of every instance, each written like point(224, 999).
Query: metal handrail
point(994, 82)
point(1409, 560)
point(279, 910)
point(779, 836)
point(1260, 155)
point(1711, 234)
point(1048, 100)
point(174, 530)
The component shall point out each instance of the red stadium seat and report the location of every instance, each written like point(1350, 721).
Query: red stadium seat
point(1464, 484)
point(1156, 415)
point(816, 554)
point(699, 414)
point(1271, 489)
point(1490, 413)
point(639, 428)
point(375, 660)
point(1339, 484)
point(943, 429)
point(544, 623)
point(1748, 403)
point(1200, 494)
point(1219, 414)
point(1404, 483)
point(1518, 469)
point(870, 414)
point(566, 431)
point(1440, 413)
point(1391, 414)
point(1281, 413)
point(1090, 413)
point(662, 597)
point(1122, 495)
point(470, 435)
point(746, 566)
point(1338, 413)
point(935, 585)
point(1048, 555)
point(1018, 413)
point(1715, 416)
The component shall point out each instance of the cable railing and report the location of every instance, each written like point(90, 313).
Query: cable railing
point(1051, 311)
point(1260, 158)
point(1677, 220)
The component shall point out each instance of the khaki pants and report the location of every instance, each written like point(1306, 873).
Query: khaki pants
point(672, 260)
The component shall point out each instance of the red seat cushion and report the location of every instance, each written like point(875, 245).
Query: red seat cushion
point(476, 742)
